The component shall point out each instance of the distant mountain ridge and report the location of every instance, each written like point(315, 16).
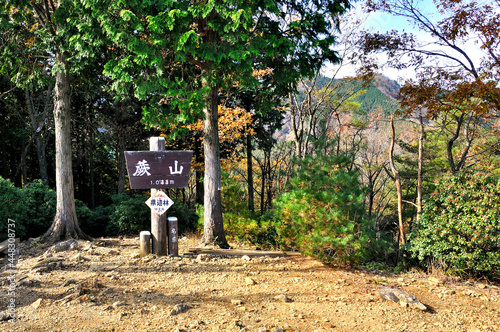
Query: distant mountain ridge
point(388, 87)
point(381, 93)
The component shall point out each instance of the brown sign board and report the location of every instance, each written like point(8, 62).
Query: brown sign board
point(158, 169)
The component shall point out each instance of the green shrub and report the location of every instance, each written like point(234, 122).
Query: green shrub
point(243, 227)
point(460, 226)
point(94, 222)
point(34, 207)
point(41, 201)
point(10, 208)
point(322, 214)
point(130, 215)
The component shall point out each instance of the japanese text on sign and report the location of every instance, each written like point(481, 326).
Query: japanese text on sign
point(159, 202)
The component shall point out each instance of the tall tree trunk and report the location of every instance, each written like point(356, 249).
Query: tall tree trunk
point(65, 224)
point(397, 181)
point(451, 141)
point(213, 225)
point(91, 168)
point(269, 182)
point(251, 199)
point(199, 178)
point(37, 125)
point(42, 159)
point(120, 113)
point(371, 196)
point(420, 165)
point(24, 172)
point(297, 126)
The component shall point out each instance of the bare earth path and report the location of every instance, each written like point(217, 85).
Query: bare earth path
point(104, 286)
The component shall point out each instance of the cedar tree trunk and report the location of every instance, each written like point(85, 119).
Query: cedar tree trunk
point(213, 226)
point(65, 224)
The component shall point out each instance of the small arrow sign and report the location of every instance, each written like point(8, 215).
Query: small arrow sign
point(159, 202)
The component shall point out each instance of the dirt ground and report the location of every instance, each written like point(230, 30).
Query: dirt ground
point(105, 286)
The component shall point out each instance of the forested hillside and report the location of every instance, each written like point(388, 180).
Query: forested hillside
point(381, 93)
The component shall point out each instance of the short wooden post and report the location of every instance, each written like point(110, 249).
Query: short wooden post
point(173, 237)
point(145, 238)
point(158, 222)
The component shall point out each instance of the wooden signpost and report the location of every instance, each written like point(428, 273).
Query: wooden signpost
point(156, 169)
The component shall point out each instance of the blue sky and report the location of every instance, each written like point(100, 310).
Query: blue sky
point(381, 22)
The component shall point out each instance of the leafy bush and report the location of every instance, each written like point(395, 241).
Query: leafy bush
point(33, 208)
point(10, 208)
point(130, 215)
point(40, 202)
point(323, 215)
point(244, 227)
point(460, 226)
point(93, 222)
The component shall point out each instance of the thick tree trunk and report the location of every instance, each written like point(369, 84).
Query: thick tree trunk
point(213, 226)
point(251, 204)
point(65, 224)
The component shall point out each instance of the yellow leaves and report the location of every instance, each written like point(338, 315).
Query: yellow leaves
point(234, 123)
point(29, 42)
point(197, 126)
point(260, 73)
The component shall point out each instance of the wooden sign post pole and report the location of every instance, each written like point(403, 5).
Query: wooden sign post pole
point(158, 222)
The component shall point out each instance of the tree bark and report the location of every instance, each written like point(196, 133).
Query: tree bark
point(420, 165)
point(200, 192)
point(397, 181)
point(251, 204)
point(65, 224)
point(451, 141)
point(213, 224)
point(120, 113)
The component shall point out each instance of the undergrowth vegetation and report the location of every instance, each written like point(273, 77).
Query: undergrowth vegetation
point(460, 226)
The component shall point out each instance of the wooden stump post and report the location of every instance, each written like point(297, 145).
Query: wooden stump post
point(145, 238)
point(158, 222)
point(173, 237)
